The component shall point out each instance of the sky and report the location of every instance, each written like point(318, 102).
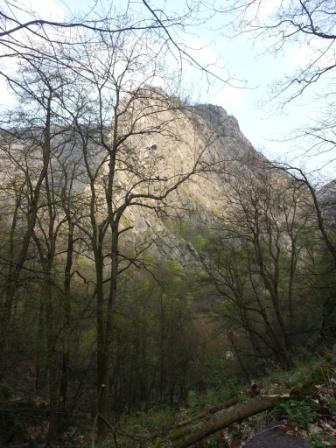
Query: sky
point(252, 73)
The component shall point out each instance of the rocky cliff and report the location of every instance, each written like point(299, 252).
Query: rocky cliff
point(172, 141)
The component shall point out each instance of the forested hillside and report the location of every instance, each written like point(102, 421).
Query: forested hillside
point(161, 280)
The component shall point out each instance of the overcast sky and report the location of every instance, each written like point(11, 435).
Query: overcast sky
point(261, 121)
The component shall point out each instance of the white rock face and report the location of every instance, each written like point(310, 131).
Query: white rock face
point(171, 160)
point(172, 143)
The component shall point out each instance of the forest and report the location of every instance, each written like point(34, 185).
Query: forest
point(162, 283)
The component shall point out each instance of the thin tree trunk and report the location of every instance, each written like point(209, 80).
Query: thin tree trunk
point(67, 327)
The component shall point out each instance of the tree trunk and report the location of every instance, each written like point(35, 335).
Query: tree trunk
point(102, 356)
point(67, 328)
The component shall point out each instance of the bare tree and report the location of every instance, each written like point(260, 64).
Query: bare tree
point(85, 145)
point(35, 149)
point(124, 168)
point(23, 32)
point(305, 28)
point(27, 150)
point(322, 218)
point(296, 23)
point(256, 267)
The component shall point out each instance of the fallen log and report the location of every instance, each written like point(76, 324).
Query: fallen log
point(208, 411)
point(188, 433)
point(185, 437)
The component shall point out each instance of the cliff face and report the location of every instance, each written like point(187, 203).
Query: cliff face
point(327, 198)
point(172, 160)
point(173, 142)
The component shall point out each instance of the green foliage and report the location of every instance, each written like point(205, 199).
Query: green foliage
point(331, 404)
point(192, 398)
point(200, 241)
point(222, 394)
point(300, 413)
point(317, 442)
point(88, 340)
point(143, 423)
point(320, 441)
point(175, 267)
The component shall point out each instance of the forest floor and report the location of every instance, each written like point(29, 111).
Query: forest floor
point(307, 419)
